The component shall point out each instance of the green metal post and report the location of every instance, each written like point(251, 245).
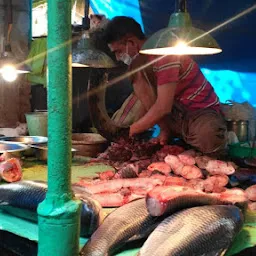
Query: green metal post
point(59, 214)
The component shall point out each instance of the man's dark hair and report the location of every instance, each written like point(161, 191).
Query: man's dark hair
point(98, 41)
point(121, 26)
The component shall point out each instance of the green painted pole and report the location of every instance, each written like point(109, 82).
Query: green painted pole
point(59, 213)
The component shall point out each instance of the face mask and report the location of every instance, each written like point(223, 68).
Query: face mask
point(126, 59)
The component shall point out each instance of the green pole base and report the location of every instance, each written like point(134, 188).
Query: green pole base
point(59, 228)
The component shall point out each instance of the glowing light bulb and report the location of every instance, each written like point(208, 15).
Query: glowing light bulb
point(9, 73)
point(181, 48)
point(181, 45)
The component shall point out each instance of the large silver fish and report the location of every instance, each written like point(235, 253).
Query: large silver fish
point(198, 231)
point(166, 200)
point(129, 221)
point(22, 198)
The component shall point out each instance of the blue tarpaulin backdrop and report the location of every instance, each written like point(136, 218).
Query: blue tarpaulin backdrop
point(233, 72)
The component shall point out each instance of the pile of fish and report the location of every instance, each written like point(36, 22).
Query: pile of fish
point(174, 201)
point(178, 175)
point(22, 198)
point(177, 202)
point(205, 230)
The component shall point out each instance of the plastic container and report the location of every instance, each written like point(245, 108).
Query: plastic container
point(240, 128)
point(241, 150)
point(37, 123)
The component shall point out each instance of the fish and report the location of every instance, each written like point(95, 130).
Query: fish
point(215, 183)
point(251, 193)
point(161, 167)
point(128, 171)
point(220, 167)
point(126, 222)
point(112, 186)
point(197, 231)
point(188, 157)
point(234, 196)
point(165, 200)
point(196, 184)
point(174, 163)
point(106, 175)
point(252, 206)
point(190, 172)
point(115, 199)
point(173, 180)
point(10, 170)
point(201, 161)
point(22, 198)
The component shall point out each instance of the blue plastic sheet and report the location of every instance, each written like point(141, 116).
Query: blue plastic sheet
point(232, 85)
point(113, 8)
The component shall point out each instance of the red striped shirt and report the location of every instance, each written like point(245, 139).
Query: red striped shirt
point(193, 90)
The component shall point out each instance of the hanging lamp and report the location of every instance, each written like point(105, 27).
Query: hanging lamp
point(180, 37)
point(84, 54)
point(10, 68)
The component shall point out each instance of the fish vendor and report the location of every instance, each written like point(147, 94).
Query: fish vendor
point(173, 91)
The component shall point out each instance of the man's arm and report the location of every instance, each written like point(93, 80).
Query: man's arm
point(142, 111)
point(161, 107)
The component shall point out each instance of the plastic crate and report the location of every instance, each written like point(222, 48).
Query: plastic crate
point(241, 150)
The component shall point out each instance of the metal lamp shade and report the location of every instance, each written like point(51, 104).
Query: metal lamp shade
point(180, 38)
point(84, 54)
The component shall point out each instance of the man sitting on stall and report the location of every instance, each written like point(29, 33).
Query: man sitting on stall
point(173, 91)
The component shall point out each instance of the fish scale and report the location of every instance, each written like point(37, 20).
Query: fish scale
point(118, 227)
point(24, 194)
point(205, 230)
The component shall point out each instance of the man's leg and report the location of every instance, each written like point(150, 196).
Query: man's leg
point(206, 131)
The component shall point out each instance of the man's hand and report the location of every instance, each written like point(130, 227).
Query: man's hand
point(134, 129)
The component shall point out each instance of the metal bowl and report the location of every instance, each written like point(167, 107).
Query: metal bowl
point(26, 139)
point(12, 148)
point(89, 144)
point(41, 152)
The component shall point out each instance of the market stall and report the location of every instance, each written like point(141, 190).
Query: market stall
point(136, 195)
